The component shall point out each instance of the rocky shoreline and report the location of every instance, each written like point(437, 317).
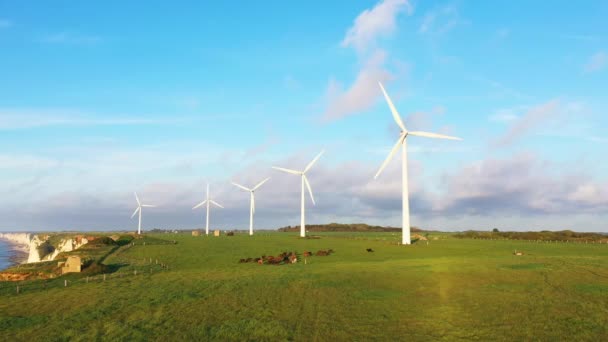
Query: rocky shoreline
point(17, 251)
point(18, 255)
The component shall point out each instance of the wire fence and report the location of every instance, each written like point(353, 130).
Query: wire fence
point(583, 241)
point(148, 267)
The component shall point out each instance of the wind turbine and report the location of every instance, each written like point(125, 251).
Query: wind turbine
point(304, 182)
point(208, 201)
point(402, 142)
point(139, 206)
point(252, 205)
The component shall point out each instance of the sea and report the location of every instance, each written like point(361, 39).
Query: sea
point(6, 251)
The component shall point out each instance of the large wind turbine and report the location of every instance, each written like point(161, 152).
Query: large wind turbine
point(252, 205)
point(304, 182)
point(139, 206)
point(208, 201)
point(402, 142)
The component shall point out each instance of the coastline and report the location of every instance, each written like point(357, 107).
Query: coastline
point(15, 253)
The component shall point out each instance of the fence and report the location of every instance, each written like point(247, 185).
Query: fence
point(605, 242)
point(151, 266)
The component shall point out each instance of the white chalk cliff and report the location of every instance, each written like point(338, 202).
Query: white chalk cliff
point(30, 244)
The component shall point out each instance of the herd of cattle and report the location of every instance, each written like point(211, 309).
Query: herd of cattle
point(285, 257)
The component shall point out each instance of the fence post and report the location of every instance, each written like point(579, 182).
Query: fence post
point(65, 283)
point(17, 289)
point(104, 277)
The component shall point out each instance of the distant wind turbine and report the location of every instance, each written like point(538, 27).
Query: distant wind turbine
point(402, 142)
point(252, 204)
point(304, 182)
point(207, 201)
point(138, 210)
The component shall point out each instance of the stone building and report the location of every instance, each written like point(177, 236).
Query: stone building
point(73, 264)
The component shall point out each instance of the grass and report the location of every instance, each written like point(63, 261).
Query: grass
point(450, 289)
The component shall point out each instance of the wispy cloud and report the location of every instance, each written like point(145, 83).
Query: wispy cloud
point(502, 33)
point(291, 83)
point(369, 26)
point(581, 37)
point(597, 62)
point(595, 139)
point(533, 118)
point(375, 22)
point(362, 94)
point(441, 20)
point(5, 23)
point(15, 119)
point(70, 38)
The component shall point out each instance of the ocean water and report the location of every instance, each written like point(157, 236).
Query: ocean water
point(5, 254)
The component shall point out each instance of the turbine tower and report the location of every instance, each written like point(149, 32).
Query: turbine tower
point(139, 206)
point(208, 201)
point(252, 205)
point(402, 142)
point(304, 182)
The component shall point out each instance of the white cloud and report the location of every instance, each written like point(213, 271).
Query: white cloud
point(522, 184)
point(362, 94)
point(375, 22)
point(596, 62)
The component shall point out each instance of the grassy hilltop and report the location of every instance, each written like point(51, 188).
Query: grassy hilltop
point(447, 290)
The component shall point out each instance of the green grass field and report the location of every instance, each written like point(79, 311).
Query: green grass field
point(450, 289)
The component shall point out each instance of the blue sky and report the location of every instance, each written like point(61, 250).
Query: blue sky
point(100, 100)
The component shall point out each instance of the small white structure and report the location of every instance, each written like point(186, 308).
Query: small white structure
point(252, 200)
point(304, 182)
point(402, 142)
point(207, 201)
point(139, 206)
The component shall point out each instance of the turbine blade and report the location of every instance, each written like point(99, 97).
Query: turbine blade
point(433, 135)
point(396, 115)
point(240, 186)
point(309, 189)
point(199, 205)
point(260, 184)
point(137, 199)
point(253, 203)
point(135, 212)
point(148, 205)
point(215, 203)
point(313, 161)
point(287, 170)
point(390, 155)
